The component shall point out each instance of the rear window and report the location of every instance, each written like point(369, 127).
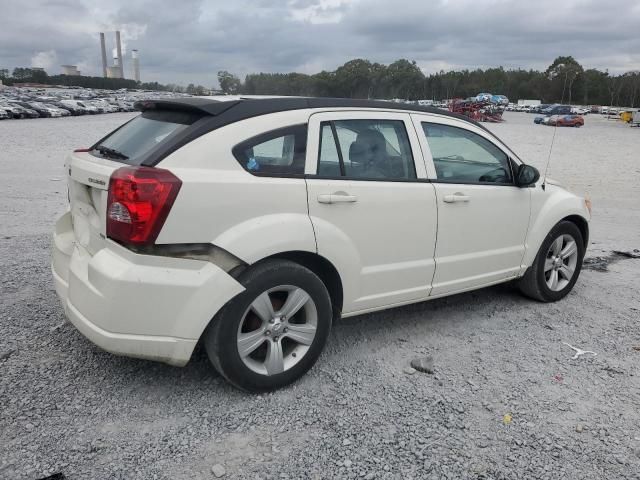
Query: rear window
point(130, 143)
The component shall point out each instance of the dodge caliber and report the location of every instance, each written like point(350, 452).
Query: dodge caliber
point(250, 225)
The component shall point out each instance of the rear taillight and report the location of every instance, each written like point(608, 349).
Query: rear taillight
point(139, 201)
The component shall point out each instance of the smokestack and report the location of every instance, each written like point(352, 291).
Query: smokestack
point(119, 48)
point(104, 55)
point(136, 65)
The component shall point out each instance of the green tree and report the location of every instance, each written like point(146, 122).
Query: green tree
point(355, 78)
point(404, 79)
point(229, 83)
point(565, 71)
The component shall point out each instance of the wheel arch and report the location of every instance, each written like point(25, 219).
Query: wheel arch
point(582, 225)
point(559, 206)
point(319, 265)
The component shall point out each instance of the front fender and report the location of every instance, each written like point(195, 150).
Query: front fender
point(548, 207)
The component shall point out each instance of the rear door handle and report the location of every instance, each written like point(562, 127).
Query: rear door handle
point(336, 197)
point(456, 197)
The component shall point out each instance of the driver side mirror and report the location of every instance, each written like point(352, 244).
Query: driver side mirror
point(527, 175)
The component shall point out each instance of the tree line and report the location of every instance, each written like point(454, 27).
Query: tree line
point(37, 75)
point(565, 80)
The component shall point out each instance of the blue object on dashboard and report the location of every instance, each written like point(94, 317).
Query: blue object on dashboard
point(252, 164)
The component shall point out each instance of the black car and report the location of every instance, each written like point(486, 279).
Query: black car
point(42, 112)
point(557, 110)
point(539, 108)
point(21, 112)
point(75, 110)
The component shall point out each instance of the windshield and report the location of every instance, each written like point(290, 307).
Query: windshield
point(132, 141)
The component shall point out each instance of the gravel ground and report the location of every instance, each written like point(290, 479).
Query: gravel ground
point(506, 400)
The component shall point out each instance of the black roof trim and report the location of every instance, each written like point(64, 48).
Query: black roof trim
point(220, 113)
point(261, 106)
point(194, 104)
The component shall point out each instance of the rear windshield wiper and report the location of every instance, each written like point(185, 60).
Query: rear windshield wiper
point(111, 152)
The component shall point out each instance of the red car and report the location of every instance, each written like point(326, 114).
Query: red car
point(570, 121)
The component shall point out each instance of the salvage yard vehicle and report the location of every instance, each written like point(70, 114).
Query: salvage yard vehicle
point(18, 111)
point(556, 110)
point(41, 110)
point(250, 225)
point(570, 121)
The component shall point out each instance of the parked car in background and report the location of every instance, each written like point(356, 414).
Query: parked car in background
point(86, 107)
point(545, 120)
point(103, 106)
point(570, 121)
point(251, 225)
point(18, 111)
point(42, 112)
point(59, 102)
point(73, 109)
point(537, 108)
point(125, 106)
point(4, 114)
point(556, 109)
point(55, 111)
point(580, 110)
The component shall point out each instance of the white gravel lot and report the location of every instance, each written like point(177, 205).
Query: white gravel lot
point(66, 406)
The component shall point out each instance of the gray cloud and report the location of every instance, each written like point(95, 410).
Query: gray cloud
point(190, 40)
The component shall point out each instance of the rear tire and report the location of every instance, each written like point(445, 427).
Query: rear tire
point(557, 266)
point(272, 333)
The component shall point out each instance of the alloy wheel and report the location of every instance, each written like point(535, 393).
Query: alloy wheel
point(560, 262)
point(277, 330)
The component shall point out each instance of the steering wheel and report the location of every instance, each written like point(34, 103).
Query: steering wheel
point(499, 175)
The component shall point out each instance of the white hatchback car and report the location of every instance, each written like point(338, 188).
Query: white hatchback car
point(251, 224)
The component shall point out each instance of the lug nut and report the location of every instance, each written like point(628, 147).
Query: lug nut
point(271, 320)
point(285, 330)
point(275, 339)
point(268, 332)
point(283, 318)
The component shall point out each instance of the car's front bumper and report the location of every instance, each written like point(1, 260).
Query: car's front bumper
point(137, 305)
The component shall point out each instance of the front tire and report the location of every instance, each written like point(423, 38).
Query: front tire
point(272, 333)
point(557, 265)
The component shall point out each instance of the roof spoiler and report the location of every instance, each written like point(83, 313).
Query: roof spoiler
point(188, 104)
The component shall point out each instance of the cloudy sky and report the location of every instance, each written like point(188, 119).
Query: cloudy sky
point(188, 41)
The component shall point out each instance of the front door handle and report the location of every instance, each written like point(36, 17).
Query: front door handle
point(336, 197)
point(456, 197)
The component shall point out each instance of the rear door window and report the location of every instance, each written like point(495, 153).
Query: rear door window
point(278, 152)
point(130, 143)
point(366, 149)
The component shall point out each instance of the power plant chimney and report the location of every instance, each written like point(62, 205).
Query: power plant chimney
point(136, 65)
point(119, 49)
point(104, 55)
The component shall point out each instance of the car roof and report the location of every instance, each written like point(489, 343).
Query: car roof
point(237, 108)
point(218, 113)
